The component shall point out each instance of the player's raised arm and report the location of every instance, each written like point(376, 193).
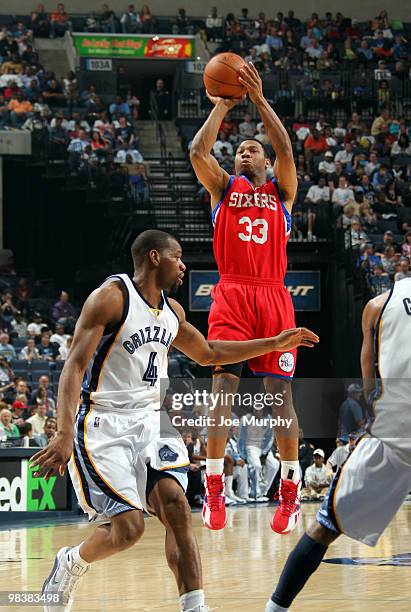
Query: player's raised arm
point(207, 169)
point(191, 342)
point(284, 167)
point(104, 307)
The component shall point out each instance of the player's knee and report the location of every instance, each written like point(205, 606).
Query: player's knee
point(176, 509)
point(127, 534)
point(321, 534)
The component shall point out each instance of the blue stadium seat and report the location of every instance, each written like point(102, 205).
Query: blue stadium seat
point(37, 365)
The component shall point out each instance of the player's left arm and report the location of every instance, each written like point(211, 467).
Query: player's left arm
point(192, 343)
point(284, 167)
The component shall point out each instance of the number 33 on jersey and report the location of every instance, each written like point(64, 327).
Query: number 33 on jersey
point(251, 229)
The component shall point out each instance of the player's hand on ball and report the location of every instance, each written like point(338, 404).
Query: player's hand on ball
point(292, 338)
point(229, 103)
point(53, 459)
point(251, 80)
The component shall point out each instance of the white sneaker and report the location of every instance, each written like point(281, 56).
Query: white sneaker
point(63, 579)
point(230, 501)
point(261, 499)
point(247, 500)
point(239, 500)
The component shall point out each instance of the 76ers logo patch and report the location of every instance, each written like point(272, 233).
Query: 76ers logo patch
point(286, 362)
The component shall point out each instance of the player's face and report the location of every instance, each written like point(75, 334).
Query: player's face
point(171, 270)
point(250, 159)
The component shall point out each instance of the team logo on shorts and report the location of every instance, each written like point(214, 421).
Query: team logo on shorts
point(166, 454)
point(286, 362)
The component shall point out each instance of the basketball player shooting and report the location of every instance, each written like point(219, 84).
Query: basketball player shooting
point(120, 460)
point(252, 222)
point(380, 461)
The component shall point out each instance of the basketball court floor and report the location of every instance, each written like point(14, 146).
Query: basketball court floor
point(240, 566)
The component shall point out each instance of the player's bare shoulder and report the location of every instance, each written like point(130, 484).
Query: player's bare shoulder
point(106, 303)
point(373, 309)
point(178, 309)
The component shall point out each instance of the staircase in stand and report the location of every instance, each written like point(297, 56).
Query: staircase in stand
point(174, 205)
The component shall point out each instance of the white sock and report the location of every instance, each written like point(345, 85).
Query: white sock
point(273, 607)
point(229, 485)
point(75, 554)
point(215, 466)
point(290, 470)
point(191, 600)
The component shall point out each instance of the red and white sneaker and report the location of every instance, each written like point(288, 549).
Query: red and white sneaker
point(288, 511)
point(214, 515)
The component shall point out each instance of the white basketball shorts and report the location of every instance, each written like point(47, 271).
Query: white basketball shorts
point(111, 453)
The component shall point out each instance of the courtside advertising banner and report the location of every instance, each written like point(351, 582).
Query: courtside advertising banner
point(21, 491)
point(135, 46)
point(304, 287)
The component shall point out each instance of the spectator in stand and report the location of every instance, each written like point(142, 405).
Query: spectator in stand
point(327, 166)
point(64, 350)
point(35, 326)
point(318, 193)
point(59, 337)
point(128, 150)
point(7, 428)
point(130, 21)
point(60, 22)
point(38, 420)
point(47, 350)
point(221, 142)
point(315, 144)
point(340, 454)
point(147, 20)
point(53, 93)
point(351, 416)
point(7, 308)
point(7, 351)
point(119, 108)
point(39, 22)
point(161, 99)
point(401, 146)
point(29, 352)
point(346, 155)
point(247, 128)
point(107, 17)
point(406, 246)
point(380, 123)
point(317, 478)
point(18, 325)
point(47, 402)
point(20, 109)
point(380, 281)
point(17, 389)
point(404, 269)
point(58, 134)
point(214, 25)
point(43, 382)
point(26, 433)
point(63, 311)
point(138, 180)
point(50, 430)
point(342, 196)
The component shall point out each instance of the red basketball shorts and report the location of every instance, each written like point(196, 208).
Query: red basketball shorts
point(246, 312)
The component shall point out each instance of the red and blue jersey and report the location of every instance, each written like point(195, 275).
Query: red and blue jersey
point(251, 229)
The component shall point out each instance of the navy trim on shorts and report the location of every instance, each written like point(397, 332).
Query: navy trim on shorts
point(83, 480)
point(272, 375)
point(89, 466)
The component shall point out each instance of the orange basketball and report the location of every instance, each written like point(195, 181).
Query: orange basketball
point(221, 76)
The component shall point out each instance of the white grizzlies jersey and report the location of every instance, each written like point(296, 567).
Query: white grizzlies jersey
point(394, 333)
point(131, 361)
point(392, 410)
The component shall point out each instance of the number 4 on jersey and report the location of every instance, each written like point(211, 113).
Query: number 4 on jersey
point(150, 375)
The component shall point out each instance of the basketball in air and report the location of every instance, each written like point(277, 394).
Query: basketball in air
point(221, 76)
